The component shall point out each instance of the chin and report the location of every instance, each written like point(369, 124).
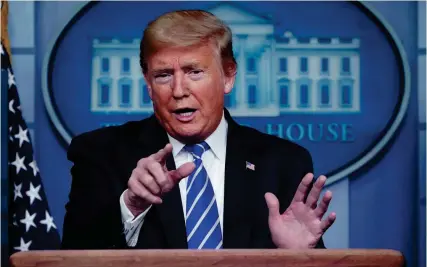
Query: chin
point(189, 136)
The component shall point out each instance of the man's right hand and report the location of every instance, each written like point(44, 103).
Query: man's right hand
point(151, 179)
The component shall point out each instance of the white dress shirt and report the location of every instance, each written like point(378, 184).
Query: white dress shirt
point(214, 163)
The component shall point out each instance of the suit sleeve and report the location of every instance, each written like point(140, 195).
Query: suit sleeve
point(93, 218)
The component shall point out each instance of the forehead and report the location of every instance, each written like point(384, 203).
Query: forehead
point(204, 55)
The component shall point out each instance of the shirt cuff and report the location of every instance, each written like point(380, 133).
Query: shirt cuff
point(132, 225)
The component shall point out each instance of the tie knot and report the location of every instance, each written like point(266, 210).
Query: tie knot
point(198, 149)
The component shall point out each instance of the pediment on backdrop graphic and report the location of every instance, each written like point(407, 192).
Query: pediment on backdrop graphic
point(232, 14)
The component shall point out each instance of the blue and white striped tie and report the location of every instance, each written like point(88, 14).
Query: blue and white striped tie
point(202, 220)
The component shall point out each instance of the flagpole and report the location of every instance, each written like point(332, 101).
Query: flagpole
point(4, 29)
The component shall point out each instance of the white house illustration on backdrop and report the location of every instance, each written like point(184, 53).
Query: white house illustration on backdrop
point(276, 75)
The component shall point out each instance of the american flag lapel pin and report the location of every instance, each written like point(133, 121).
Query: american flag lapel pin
point(250, 166)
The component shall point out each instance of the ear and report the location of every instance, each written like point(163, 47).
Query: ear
point(229, 83)
point(230, 71)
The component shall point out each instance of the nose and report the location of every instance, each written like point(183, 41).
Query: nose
point(179, 87)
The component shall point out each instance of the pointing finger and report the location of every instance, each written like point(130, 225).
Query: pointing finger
point(162, 154)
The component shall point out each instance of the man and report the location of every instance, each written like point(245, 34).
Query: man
point(190, 176)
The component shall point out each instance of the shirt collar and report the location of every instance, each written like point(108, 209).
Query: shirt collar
point(217, 141)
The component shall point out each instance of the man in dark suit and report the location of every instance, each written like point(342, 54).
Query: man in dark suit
point(189, 176)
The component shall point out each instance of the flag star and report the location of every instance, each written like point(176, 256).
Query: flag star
point(28, 220)
point(11, 78)
point(22, 136)
point(23, 246)
point(33, 166)
point(49, 222)
point(11, 106)
point(17, 192)
point(19, 163)
point(10, 133)
point(33, 193)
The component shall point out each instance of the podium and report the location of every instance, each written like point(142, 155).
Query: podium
point(204, 258)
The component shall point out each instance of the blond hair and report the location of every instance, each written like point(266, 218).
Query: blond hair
point(185, 28)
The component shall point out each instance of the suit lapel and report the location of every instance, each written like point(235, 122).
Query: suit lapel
point(238, 189)
point(170, 211)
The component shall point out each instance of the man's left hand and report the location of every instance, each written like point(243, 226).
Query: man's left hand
point(301, 225)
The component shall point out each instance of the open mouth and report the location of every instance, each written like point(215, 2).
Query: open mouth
point(185, 112)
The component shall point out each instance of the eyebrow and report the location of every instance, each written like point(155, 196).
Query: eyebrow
point(186, 66)
point(192, 65)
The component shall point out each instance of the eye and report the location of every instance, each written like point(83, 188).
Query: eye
point(196, 74)
point(162, 77)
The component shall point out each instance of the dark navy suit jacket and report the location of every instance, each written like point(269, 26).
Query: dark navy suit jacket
point(104, 159)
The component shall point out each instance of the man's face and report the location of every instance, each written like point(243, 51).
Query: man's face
point(187, 87)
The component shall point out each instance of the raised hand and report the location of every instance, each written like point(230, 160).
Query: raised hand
point(301, 225)
point(151, 179)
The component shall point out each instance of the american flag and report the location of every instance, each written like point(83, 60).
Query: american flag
point(250, 166)
point(30, 223)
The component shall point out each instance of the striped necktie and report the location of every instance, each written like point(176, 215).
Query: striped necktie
point(202, 219)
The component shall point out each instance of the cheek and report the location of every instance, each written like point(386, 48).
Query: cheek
point(160, 95)
point(212, 99)
point(206, 94)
